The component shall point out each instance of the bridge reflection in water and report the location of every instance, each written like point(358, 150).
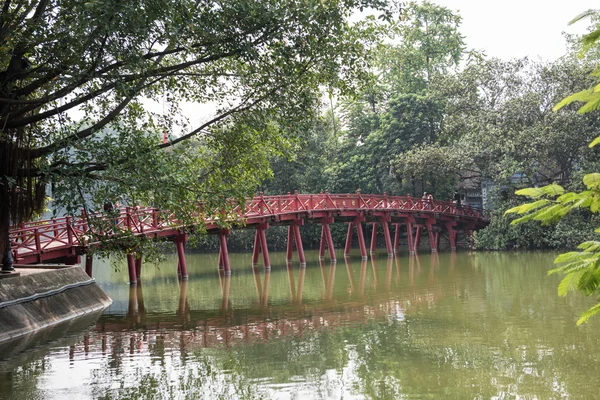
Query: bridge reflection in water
point(189, 329)
point(447, 325)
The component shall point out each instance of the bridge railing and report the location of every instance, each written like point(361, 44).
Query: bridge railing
point(274, 205)
point(57, 233)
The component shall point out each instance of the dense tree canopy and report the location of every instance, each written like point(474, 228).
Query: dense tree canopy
point(76, 77)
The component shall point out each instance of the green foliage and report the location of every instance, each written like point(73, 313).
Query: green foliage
point(502, 234)
point(77, 78)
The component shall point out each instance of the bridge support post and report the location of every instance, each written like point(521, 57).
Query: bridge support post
point(388, 239)
point(138, 267)
point(417, 239)
point(326, 237)
point(89, 260)
point(260, 244)
point(433, 236)
point(396, 237)
point(290, 245)
point(294, 236)
point(349, 239)
point(223, 251)
point(361, 240)
point(131, 269)
point(255, 250)
point(410, 237)
point(374, 238)
point(180, 243)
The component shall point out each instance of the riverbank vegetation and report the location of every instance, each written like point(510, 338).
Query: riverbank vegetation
point(305, 100)
point(438, 117)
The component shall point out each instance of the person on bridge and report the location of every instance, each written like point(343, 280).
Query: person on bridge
point(456, 199)
point(428, 200)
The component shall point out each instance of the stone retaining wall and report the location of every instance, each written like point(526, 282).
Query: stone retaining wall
point(42, 298)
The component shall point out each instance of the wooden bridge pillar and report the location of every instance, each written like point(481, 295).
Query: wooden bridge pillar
point(131, 268)
point(396, 236)
point(410, 237)
point(294, 236)
point(138, 267)
point(433, 235)
point(326, 237)
point(223, 252)
point(361, 241)
point(386, 233)
point(374, 237)
point(180, 244)
point(349, 239)
point(388, 239)
point(361, 238)
point(417, 239)
point(89, 261)
point(260, 244)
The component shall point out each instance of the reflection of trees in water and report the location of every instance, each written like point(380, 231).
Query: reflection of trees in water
point(443, 326)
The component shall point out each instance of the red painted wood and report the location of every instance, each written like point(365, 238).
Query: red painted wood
point(396, 237)
point(417, 238)
point(180, 241)
point(349, 239)
point(374, 238)
point(299, 245)
point(290, 250)
point(329, 242)
point(66, 236)
point(131, 268)
point(138, 267)
point(388, 240)
point(263, 247)
point(224, 252)
point(409, 234)
point(361, 241)
point(256, 248)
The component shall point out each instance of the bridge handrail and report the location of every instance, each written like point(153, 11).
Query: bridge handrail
point(70, 231)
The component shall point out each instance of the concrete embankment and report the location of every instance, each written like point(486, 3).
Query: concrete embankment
point(41, 298)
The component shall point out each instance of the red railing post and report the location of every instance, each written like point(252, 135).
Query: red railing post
point(261, 212)
point(154, 219)
point(38, 244)
point(84, 220)
point(128, 218)
point(69, 231)
point(55, 228)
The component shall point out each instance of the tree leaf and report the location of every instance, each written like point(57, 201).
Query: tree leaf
point(569, 283)
point(592, 181)
point(553, 190)
point(533, 193)
point(565, 257)
point(595, 141)
point(584, 96)
point(523, 208)
point(585, 316)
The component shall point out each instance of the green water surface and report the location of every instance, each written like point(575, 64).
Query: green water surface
point(443, 326)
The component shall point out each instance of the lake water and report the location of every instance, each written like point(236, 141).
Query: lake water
point(443, 326)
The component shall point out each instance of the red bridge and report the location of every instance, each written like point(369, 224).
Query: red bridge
point(65, 239)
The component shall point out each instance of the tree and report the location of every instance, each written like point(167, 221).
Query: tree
point(431, 44)
point(395, 111)
point(581, 268)
point(75, 77)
